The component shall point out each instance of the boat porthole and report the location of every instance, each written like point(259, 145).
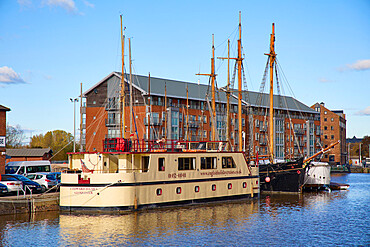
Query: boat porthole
point(196, 189)
point(256, 181)
point(213, 187)
point(178, 190)
point(229, 186)
point(244, 185)
point(159, 192)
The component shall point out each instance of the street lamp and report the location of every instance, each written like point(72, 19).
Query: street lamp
point(74, 122)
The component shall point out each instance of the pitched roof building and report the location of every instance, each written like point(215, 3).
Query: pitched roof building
point(296, 125)
point(28, 154)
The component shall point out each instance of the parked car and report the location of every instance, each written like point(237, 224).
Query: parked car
point(11, 183)
point(34, 186)
point(46, 180)
point(57, 175)
point(3, 189)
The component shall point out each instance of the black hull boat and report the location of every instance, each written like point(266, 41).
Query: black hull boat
point(282, 177)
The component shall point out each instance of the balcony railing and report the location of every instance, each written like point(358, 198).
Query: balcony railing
point(153, 121)
point(192, 124)
point(111, 122)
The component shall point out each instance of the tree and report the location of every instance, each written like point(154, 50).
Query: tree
point(14, 136)
point(365, 146)
point(60, 141)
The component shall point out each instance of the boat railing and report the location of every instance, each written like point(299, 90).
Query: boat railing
point(161, 145)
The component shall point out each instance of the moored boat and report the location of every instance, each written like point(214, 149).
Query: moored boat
point(151, 175)
point(317, 176)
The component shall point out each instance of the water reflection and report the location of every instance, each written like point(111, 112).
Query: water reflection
point(153, 226)
point(15, 230)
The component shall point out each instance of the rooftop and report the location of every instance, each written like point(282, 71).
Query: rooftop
point(177, 89)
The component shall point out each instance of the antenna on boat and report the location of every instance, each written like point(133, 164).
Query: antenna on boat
point(213, 77)
point(272, 57)
point(122, 96)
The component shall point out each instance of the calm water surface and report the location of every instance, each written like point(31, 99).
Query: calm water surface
point(313, 219)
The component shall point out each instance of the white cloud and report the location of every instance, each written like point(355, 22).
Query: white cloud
point(364, 112)
point(360, 65)
point(324, 80)
point(26, 3)
point(68, 5)
point(9, 76)
point(88, 4)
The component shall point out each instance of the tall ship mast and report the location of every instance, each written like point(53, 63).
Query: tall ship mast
point(279, 176)
point(131, 174)
point(122, 94)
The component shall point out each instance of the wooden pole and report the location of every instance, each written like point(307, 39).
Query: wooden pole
point(165, 111)
point(131, 127)
point(122, 94)
point(272, 57)
point(187, 114)
point(150, 112)
point(240, 59)
point(228, 97)
point(81, 116)
point(213, 86)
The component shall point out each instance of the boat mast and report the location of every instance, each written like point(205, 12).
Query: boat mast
point(187, 113)
point(150, 106)
point(122, 96)
point(239, 60)
point(228, 95)
point(131, 128)
point(272, 57)
point(165, 110)
point(213, 78)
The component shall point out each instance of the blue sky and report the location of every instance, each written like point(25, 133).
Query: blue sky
point(48, 47)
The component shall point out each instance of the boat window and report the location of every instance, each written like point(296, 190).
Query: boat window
point(161, 164)
point(145, 163)
point(244, 185)
point(228, 162)
point(229, 186)
point(213, 187)
point(178, 190)
point(196, 189)
point(159, 192)
point(208, 163)
point(186, 163)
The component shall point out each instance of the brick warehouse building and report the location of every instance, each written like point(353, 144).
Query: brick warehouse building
point(3, 111)
point(333, 128)
point(100, 118)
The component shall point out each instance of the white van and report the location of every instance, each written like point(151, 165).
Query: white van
point(25, 167)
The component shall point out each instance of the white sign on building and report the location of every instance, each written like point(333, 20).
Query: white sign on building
point(2, 142)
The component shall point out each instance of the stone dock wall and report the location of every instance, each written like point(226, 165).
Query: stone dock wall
point(28, 204)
